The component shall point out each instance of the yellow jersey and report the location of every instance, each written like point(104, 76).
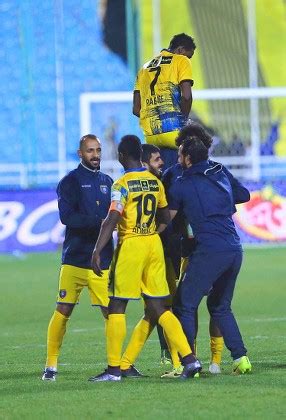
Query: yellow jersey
point(158, 82)
point(137, 195)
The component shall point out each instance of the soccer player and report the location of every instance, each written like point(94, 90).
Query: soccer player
point(138, 266)
point(151, 159)
point(83, 200)
point(162, 97)
point(207, 193)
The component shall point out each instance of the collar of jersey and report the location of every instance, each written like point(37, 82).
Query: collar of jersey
point(135, 170)
point(88, 169)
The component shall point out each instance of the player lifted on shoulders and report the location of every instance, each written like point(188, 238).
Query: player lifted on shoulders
point(162, 97)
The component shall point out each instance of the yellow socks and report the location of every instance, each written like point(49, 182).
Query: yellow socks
point(216, 345)
point(56, 332)
point(174, 333)
point(115, 335)
point(139, 336)
point(174, 353)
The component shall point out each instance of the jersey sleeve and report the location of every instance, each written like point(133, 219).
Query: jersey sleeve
point(162, 201)
point(185, 70)
point(119, 195)
point(240, 193)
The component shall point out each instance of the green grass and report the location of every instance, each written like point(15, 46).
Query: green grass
point(27, 302)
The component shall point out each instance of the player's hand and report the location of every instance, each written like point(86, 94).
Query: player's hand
point(95, 263)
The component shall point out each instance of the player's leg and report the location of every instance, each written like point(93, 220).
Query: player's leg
point(115, 335)
point(219, 306)
point(155, 290)
point(125, 277)
point(174, 333)
point(136, 343)
point(216, 347)
point(168, 355)
point(71, 282)
point(169, 156)
point(98, 292)
point(195, 284)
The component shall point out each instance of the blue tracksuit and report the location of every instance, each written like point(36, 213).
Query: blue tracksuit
point(207, 194)
point(84, 199)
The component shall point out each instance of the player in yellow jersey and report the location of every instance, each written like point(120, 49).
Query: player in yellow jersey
point(138, 267)
point(162, 97)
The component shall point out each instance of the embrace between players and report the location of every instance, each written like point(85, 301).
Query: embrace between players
point(201, 198)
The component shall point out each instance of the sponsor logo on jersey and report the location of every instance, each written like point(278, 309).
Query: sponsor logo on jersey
point(143, 185)
point(86, 186)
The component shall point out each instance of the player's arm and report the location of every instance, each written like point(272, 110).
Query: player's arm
point(118, 199)
point(163, 218)
point(106, 230)
point(186, 97)
point(240, 193)
point(136, 103)
point(68, 197)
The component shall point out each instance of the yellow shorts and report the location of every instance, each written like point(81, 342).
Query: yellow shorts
point(73, 279)
point(138, 268)
point(163, 139)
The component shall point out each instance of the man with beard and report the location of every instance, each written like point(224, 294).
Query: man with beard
point(83, 201)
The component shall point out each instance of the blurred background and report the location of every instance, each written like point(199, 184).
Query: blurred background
point(67, 68)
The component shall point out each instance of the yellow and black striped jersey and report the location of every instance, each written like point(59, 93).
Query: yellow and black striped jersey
point(137, 195)
point(158, 82)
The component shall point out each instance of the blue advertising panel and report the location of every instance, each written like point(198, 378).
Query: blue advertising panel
point(29, 219)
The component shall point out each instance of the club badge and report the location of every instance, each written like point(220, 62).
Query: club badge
point(62, 293)
point(104, 189)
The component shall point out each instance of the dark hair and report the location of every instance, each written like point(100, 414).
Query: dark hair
point(182, 40)
point(194, 129)
point(87, 136)
point(195, 149)
point(147, 150)
point(130, 146)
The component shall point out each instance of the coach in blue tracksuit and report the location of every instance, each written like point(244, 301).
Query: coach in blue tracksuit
point(83, 199)
point(207, 194)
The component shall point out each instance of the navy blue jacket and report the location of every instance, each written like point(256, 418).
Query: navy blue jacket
point(207, 193)
point(83, 200)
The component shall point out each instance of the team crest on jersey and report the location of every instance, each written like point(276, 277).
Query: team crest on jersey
point(62, 293)
point(104, 189)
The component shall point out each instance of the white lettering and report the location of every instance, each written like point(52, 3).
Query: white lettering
point(9, 213)
point(25, 234)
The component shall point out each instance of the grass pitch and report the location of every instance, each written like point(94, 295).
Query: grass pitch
point(29, 287)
